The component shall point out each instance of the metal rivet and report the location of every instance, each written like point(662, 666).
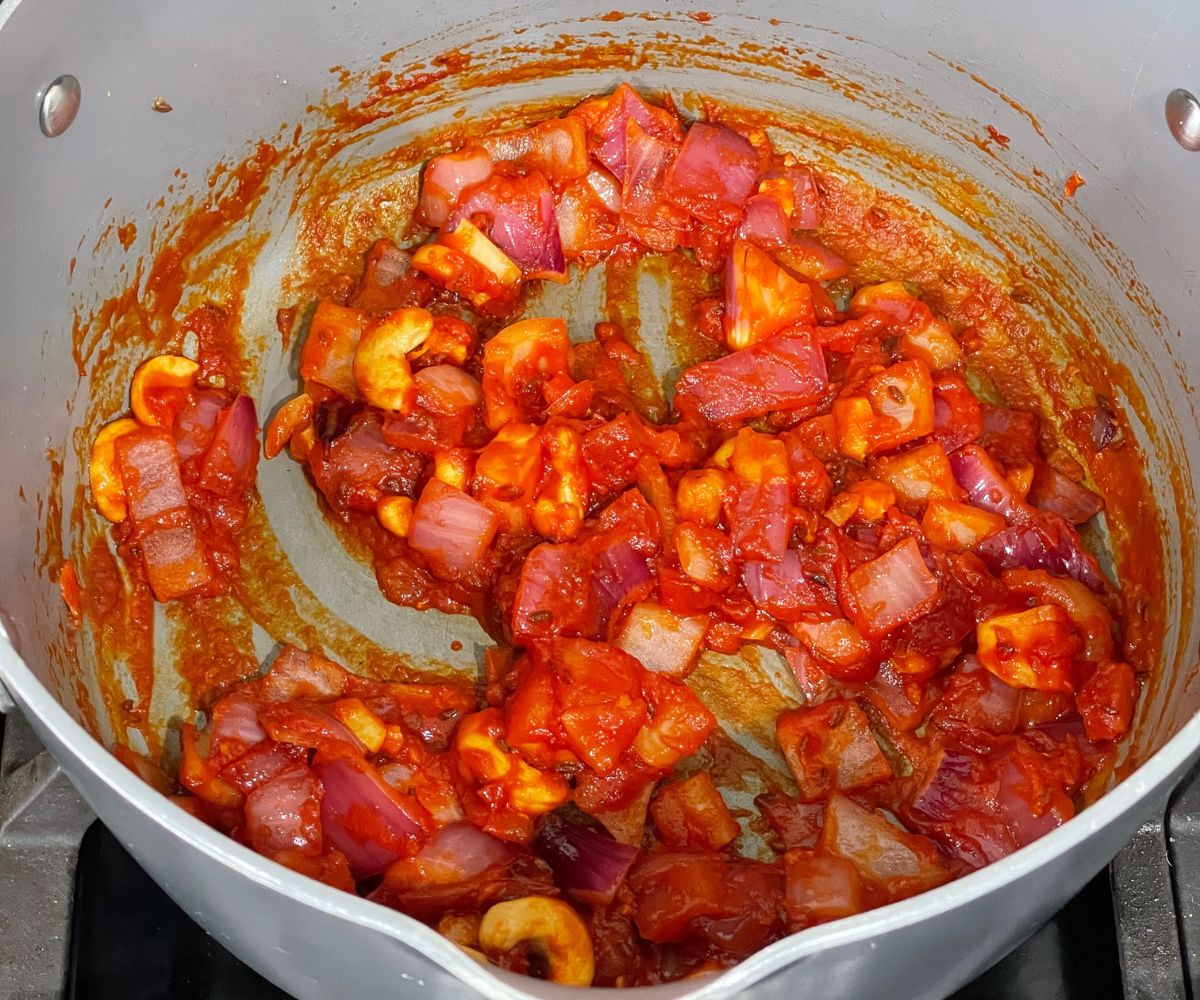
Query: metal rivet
point(1183, 118)
point(58, 105)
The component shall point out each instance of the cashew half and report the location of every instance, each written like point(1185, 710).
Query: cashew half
point(552, 929)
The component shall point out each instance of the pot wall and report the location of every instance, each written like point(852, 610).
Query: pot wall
point(931, 75)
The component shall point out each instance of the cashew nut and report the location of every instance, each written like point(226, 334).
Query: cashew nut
point(108, 488)
point(558, 512)
point(551, 928)
point(167, 371)
point(381, 369)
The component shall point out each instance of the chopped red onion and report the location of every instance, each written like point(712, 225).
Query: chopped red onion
point(783, 372)
point(892, 589)
point(445, 179)
point(447, 389)
point(451, 529)
point(195, 422)
point(661, 640)
point(525, 230)
point(1059, 494)
point(986, 485)
point(1043, 541)
point(459, 851)
point(764, 222)
point(715, 171)
point(588, 864)
point(618, 571)
point(232, 457)
point(362, 816)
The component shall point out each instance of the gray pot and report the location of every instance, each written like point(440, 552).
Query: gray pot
point(1094, 78)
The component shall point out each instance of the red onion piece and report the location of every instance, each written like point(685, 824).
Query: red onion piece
point(618, 571)
point(1059, 494)
point(194, 423)
point(1102, 425)
point(1042, 541)
point(150, 470)
point(234, 720)
point(588, 864)
point(783, 372)
point(445, 179)
point(539, 610)
point(648, 164)
point(759, 522)
point(715, 172)
point(460, 851)
point(297, 673)
point(451, 530)
point(611, 132)
point(232, 457)
point(606, 187)
point(447, 389)
point(959, 806)
point(362, 816)
point(661, 640)
point(814, 259)
point(306, 724)
point(1013, 799)
point(764, 222)
point(261, 763)
point(807, 213)
point(781, 588)
point(284, 814)
point(986, 485)
point(892, 589)
point(525, 228)
point(175, 558)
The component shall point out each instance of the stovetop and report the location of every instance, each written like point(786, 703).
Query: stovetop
point(80, 920)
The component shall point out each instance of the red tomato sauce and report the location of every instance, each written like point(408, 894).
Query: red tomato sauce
point(827, 482)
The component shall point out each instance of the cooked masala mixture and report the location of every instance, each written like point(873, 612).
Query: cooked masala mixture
point(826, 477)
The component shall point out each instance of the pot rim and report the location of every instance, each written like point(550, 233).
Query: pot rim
point(35, 699)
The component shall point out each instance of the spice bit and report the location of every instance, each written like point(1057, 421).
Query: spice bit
point(161, 105)
point(1073, 184)
point(997, 136)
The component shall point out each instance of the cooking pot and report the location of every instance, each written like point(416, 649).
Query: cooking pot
point(1069, 87)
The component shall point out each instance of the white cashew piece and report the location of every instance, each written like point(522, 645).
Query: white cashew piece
point(551, 927)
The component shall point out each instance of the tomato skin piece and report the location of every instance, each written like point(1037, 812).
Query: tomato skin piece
point(733, 904)
point(820, 887)
point(678, 725)
point(761, 298)
point(691, 815)
point(1107, 701)
point(600, 698)
point(1030, 649)
point(515, 363)
point(830, 746)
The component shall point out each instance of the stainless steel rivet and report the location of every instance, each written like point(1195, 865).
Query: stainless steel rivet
point(1183, 118)
point(58, 105)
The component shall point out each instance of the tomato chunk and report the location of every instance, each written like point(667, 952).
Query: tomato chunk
point(830, 746)
point(691, 815)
